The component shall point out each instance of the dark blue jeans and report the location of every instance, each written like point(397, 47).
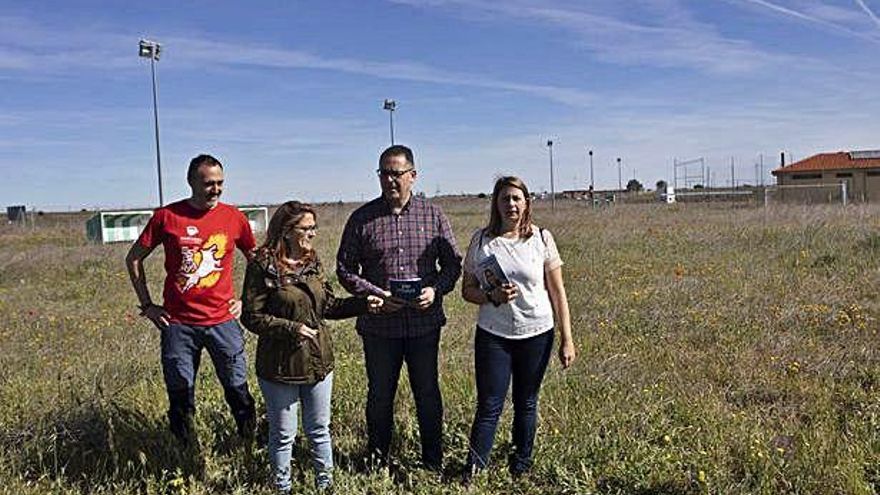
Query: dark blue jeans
point(384, 358)
point(181, 353)
point(496, 360)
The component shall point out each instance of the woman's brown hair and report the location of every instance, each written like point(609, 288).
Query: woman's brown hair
point(524, 229)
point(283, 221)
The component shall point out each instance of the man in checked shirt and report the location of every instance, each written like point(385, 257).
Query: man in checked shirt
point(400, 236)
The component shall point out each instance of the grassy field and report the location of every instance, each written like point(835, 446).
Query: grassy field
point(720, 351)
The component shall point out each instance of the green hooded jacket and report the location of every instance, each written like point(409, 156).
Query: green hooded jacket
point(274, 306)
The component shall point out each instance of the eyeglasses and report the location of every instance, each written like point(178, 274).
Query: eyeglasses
point(311, 228)
point(396, 174)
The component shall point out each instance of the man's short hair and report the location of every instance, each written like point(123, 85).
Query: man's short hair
point(397, 150)
point(197, 162)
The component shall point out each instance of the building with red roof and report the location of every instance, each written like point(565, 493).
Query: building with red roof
point(859, 170)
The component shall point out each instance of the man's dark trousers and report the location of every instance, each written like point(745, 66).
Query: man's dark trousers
point(384, 358)
point(181, 354)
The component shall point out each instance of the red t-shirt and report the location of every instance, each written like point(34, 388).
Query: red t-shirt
point(199, 258)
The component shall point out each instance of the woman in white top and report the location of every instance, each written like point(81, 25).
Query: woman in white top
point(514, 337)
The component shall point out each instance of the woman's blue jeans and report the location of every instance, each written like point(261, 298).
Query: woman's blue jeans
point(281, 410)
point(496, 361)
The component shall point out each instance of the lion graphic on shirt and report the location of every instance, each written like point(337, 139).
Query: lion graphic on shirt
point(201, 267)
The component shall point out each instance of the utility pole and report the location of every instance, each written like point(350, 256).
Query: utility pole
point(152, 50)
point(675, 173)
point(592, 183)
point(552, 186)
point(761, 159)
point(619, 176)
point(732, 175)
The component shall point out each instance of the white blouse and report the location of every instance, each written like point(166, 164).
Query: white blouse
point(524, 261)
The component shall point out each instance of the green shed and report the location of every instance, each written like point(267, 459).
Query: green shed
point(117, 226)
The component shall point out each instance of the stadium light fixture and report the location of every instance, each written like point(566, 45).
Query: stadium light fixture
point(391, 106)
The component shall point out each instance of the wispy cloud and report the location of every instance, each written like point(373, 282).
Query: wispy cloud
point(31, 48)
point(239, 54)
point(868, 11)
point(673, 40)
point(821, 15)
point(38, 50)
point(790, 12)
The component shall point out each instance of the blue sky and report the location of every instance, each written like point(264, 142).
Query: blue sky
point(288, 94)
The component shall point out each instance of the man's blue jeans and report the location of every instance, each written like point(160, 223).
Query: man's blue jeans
point(384, 357)
point(281, 409)
point(181, 353)
point(496, 360)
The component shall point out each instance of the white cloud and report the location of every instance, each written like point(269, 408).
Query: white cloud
point(243, 54)
point(868, 11)
point(827, 16)
point(36, 50)
point(673, 40)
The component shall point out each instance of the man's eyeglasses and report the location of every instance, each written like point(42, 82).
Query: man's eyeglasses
point(396, 174)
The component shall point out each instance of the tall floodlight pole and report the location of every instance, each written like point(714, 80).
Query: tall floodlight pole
point(762, 169)
point(152, 50)
point(732, 175)
point(552, 186)
point(391, 106)
point(619, 176)
point(592, 183)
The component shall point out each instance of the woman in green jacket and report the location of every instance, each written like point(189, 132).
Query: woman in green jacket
point(286, 298)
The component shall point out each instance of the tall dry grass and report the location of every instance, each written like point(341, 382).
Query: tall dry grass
point(721, 351)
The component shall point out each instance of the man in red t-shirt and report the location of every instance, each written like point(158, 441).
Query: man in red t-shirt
point(199, 236)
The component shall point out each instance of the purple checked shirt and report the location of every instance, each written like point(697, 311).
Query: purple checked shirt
point(378, 245)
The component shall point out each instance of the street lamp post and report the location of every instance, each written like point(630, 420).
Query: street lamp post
point(619, 176)
point(152, 50)
point(391, 106)
point(552, 186)
point(592, 184)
